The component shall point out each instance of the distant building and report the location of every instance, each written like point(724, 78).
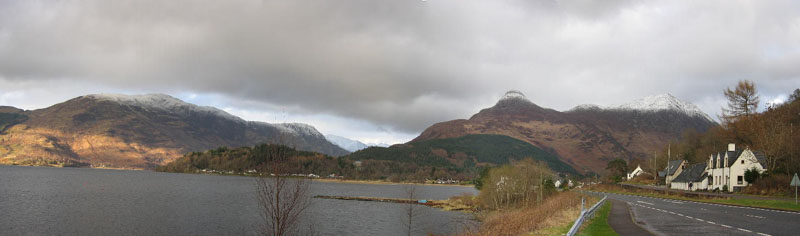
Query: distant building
point(636, 172)
point(673, 169)
point(692, 178)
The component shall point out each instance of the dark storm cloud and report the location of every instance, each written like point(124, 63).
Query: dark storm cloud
point(406, 64)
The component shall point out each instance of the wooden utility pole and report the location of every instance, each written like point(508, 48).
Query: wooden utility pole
point(669, 156)
point(655, 168)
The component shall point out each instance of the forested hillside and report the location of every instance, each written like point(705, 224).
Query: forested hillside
point(467, 152)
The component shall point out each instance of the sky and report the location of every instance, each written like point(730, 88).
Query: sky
point(381, 71)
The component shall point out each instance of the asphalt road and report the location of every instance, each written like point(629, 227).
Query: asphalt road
point(675, 217)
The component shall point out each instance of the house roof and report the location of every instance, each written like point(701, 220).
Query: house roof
point(760, 156)
point(672, 166)
point(692, 173)
point(714, 160)
point(733, 156)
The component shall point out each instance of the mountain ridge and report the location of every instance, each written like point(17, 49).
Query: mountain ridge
point(585, 138)
point(139, 131)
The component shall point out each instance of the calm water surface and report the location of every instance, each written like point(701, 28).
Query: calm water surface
point(73, 201)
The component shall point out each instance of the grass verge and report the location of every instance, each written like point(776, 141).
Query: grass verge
point(599, 225)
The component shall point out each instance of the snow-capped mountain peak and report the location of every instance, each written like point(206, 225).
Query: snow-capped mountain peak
point(662, 102)
point(514, 95)
point(346, 143)
point(158, 101)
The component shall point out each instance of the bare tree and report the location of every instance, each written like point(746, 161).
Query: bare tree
point(282, 200)
point(411, 211)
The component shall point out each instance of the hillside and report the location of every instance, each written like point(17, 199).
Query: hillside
point(466, 152)
point(586, 137)
point(136, 131)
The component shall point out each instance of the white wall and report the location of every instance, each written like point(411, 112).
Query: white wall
point(738, 168)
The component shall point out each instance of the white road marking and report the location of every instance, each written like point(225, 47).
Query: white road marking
point(754, 216)
point(645, 203)
point(763, 234)
point(744, 230)
point(724, 226)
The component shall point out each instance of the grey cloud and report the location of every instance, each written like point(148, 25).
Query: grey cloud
point(406, 64)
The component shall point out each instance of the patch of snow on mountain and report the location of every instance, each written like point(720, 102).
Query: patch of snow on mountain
point(514, 95)
point(586, 107)
point(163, 102)
point(299, 129)
point(346, 143)
point(663, 102)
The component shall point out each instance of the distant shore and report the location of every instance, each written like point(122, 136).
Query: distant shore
point(349, 181)
point(382, 182)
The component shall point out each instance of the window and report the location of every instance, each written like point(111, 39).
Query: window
point(739, 179)
point(742, 161)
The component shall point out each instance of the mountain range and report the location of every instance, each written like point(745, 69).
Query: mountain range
point(136, 131)
point(350, 144)
point(585, 137)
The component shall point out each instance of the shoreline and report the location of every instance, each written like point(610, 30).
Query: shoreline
point(348, 181)
point(382, 182)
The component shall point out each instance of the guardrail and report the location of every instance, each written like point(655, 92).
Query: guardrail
point(585, 215)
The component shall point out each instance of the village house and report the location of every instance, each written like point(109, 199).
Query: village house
point(673, 170)
point(727, 168)
point(724, 171)
point(636, 172)
point(692, 178)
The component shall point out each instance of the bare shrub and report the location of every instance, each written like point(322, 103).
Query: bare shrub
point(776, 185)
point(525, 220)
point(281, 199)
point(412, 212)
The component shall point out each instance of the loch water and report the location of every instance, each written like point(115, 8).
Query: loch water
point(80, 201)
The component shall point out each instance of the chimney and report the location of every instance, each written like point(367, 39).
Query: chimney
point(731, 147)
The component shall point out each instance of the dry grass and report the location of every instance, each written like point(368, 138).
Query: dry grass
point(555, 211)
point(465, 202)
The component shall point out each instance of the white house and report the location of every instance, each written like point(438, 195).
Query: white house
point(692, 178)
point(727, 168)
point(673, 169)
point(636, 172)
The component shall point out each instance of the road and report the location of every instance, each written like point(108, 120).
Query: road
point(675, 217)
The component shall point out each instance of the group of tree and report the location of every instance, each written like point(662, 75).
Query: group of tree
point(244, 160)
point(523, 183)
